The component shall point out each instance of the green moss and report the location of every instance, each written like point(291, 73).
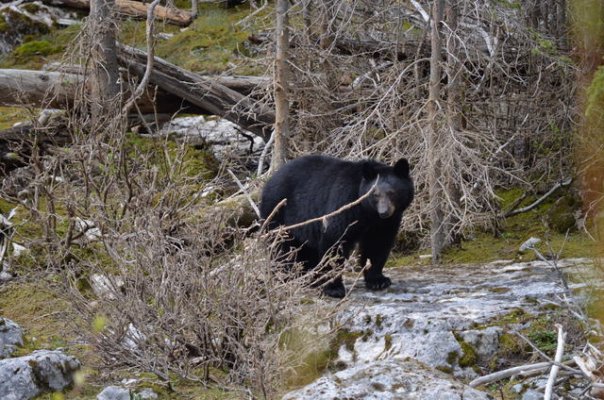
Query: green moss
point(37, 47)
point(452, 357)
point(445, 368)
point(469, 356)
point(40, 48)
point(378, 321)
point(38, 310)
point(486, 247)
point(11, 115)
point(387, 342)
point(316, 362)
point(545, 340)
point(31, 8)
point(211, 44)
point(510, 345)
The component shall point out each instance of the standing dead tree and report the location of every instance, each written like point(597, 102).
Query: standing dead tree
point(434, 142)
point(281, 131)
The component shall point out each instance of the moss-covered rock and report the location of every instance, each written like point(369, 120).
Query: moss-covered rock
point(561, 215)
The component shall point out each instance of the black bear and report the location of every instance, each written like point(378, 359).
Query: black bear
point(314, 186)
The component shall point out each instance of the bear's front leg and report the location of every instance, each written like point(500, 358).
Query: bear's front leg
point(375, 279)
point(376, 248)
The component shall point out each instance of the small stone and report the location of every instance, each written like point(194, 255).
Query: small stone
point(529, 244)
point(147, 394)
point(532, 395)
point(114, 393)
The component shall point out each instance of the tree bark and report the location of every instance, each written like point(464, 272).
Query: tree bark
point(281, 101)
point(105, 77)
point(134, 9)
point(454, 115)
point(437, 231)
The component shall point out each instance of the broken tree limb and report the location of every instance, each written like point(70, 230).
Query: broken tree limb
point(134, 9)
point(201, 91)
point(551, 380)
point(540, 200)
point(496, 376)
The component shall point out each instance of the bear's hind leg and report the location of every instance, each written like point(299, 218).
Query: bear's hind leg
point(335, 288)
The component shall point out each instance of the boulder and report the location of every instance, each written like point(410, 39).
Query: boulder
point(24, 378)
point(11, 336)
point(385, 380)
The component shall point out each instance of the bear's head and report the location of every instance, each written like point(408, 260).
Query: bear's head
point(393, 191)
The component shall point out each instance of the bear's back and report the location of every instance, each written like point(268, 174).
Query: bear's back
point(312, 185)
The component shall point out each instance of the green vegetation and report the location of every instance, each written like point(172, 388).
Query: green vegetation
point(11, 115)
point(39, 50)
point(313, 364)
point(209, 45)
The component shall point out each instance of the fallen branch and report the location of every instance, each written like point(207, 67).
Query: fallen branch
point(549, 388)
point(134, 9)
point(540, 200)
point(245, 192)
point(506, 373)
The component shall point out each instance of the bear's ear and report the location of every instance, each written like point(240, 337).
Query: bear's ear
point(369, 172)
point(401, 168)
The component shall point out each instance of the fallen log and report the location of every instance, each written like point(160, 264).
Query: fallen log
point(134, 9)
point(203, 92)
point(53, 89)
point(240, 83)
point(49, 89)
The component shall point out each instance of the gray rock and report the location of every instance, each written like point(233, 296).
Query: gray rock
point(485, 342)
point(532, 395)
point(114, 393)
point(385, 380)
point(529, 244)
point(147, 394)
point(423, 319)
point(121, 393)
point(11, 336)
point(42, 371)
point(225, 139)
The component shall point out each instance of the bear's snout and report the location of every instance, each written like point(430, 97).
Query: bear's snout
point(384, 208)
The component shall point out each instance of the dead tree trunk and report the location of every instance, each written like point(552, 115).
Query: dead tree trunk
point(281, 102)
point(454, 116)
point(437, 229)
point(105, 77)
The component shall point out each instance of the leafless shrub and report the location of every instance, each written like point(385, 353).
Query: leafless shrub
point(359, 78)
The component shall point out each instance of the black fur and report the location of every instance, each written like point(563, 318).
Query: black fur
point(318, 185)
